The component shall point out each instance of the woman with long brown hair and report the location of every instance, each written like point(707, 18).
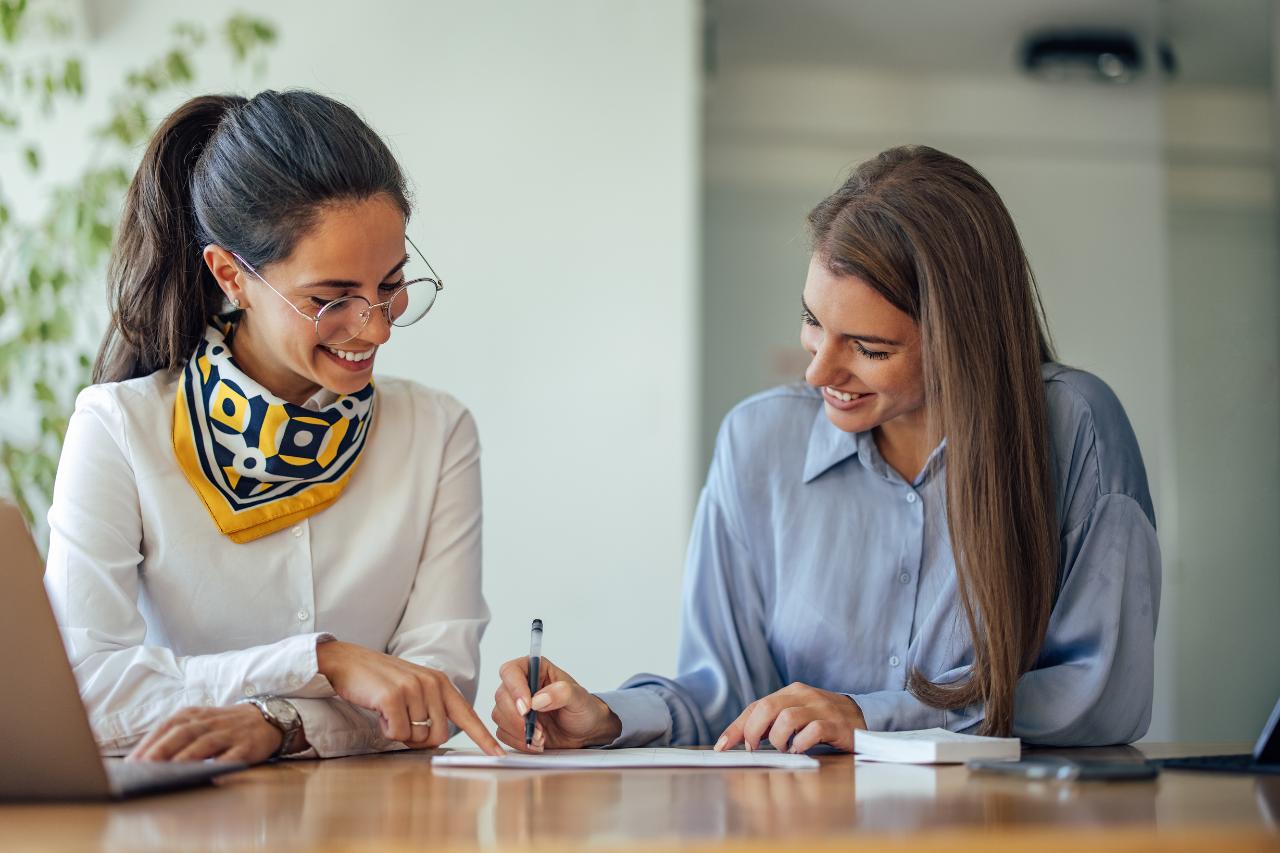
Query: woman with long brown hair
point(945, 527)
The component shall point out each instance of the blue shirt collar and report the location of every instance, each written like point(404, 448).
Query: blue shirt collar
point(829, 446)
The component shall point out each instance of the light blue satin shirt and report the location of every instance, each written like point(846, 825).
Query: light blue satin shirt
point(813, 561)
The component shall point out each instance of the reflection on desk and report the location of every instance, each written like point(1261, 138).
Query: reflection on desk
point(400, 800)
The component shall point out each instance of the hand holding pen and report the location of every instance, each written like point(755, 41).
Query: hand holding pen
point(568, 716)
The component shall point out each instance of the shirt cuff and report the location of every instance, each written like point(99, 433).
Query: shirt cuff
point(334, 727)
point(897, 711)
point(645, 717)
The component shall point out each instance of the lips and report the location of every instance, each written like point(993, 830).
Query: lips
point(845, 400)
point(349, 360)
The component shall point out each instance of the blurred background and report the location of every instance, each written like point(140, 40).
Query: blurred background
point(614, 193)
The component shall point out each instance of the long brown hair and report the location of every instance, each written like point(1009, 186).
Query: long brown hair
point(250, 175)
point(930, 234)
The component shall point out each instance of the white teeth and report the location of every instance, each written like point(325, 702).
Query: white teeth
point(352, 356)
point(843, 396)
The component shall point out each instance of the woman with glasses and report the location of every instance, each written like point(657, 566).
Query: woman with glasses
point(943, 527)
point(255, 548)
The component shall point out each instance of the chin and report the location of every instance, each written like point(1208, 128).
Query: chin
point(347, 384)
point(857, 420)
point(850, 422)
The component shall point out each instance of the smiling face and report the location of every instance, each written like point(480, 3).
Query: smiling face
point(353, 248)
point(867, 358)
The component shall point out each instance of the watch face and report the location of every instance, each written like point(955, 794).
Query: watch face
point(284, 711)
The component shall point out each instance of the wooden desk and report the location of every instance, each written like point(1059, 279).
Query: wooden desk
point(397, 802)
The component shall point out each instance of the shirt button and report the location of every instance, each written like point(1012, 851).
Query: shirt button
point(893, 661)
point(911, 497)
point(904, 577)
point(303, 615)
point(250, 690)
point(297, 531)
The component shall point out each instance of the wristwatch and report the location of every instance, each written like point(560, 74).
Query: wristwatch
point(282, 714)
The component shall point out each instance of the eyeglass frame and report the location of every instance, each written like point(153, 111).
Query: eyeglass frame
point(367, 313)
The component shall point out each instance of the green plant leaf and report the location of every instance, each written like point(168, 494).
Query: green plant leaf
point(32, 158)
point(11, 12)
point(178, 67)
point(44, 393)
point(73, 77)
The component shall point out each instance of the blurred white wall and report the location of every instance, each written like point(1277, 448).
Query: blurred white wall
point(1225, 294)
point(553, 148)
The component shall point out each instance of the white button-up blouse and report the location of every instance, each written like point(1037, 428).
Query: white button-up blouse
point(159, 610)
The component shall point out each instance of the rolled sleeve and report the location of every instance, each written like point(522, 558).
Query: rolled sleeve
point(334, 728)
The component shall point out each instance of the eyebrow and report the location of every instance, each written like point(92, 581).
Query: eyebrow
point(347, 284)
point(868, 339)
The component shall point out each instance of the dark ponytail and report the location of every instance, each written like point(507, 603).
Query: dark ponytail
point(247, 175)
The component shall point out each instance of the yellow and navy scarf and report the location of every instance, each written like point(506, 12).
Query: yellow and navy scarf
point(259, 463)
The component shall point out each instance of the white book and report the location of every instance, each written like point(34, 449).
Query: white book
point(932, 746)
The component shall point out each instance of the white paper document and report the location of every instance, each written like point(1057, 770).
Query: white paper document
point(932, 746)
point(619, 759)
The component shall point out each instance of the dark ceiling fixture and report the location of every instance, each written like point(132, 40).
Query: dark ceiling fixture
point(1106, 56)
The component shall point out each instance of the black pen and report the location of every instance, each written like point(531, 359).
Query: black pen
point(535, 658)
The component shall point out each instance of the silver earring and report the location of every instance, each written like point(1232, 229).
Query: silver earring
point(235, 303)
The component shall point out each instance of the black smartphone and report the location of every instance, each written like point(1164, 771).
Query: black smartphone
point(1056, 768)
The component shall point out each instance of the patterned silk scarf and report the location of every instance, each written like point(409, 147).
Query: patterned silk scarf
point(259, 463)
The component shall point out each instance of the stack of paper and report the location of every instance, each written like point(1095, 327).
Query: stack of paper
point(932, 746)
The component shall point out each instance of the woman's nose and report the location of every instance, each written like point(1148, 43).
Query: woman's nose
point(824, 369)
point(377, 330)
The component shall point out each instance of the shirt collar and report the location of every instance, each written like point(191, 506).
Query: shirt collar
point(829, 446)
point(320, 399)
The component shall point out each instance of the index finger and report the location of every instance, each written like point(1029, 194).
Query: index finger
point(462, 715)
point(734, 733)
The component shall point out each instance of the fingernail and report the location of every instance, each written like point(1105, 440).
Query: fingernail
point(522, 707)
point(748, 746)
point(541, 701)
point(720, 743)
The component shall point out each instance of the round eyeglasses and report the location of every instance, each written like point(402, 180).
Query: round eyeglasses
point(341, 320)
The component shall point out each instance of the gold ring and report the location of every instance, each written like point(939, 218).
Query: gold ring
point(426, 723)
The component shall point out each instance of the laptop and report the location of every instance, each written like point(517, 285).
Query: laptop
point(1265, 757)
point(47, 751)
